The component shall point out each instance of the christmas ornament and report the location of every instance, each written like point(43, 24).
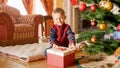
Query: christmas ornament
point(108, 5)
point(93, 39)
point(102, 26)
point(93, 23)
point(93, 8)
point(82, 7)
point(116, 35)
point(107, 36)
point(118, 27)
point(73, 2)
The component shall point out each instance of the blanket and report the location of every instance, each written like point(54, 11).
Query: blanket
point(27, 52)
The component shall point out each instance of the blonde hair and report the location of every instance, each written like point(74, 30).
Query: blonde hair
point(59, 10)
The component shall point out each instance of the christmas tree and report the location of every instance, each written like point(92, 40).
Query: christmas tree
point(104, 16)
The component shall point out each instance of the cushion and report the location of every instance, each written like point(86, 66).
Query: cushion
point(23, 28)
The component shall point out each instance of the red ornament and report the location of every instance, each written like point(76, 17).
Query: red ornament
point(82, 7)
point(93, 23)
point(118, 27)
point(93, 8)
point(73, 2)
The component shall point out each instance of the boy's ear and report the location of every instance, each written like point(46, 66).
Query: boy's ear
point(64, 17)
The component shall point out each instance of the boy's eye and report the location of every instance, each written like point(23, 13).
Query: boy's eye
point(57, 19)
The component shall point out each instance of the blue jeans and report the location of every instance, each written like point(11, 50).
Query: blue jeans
point(45, 52)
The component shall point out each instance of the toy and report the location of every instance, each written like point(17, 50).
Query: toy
point(117, 55)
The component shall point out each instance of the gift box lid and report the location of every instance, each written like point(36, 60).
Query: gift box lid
point(60, 52)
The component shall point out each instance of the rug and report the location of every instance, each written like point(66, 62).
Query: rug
point(87, 62)
point(26, 53)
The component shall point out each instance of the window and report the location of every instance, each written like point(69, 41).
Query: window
point(37, 7)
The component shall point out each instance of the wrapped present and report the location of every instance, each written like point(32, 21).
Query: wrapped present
point(60, 57)
point(117, 55)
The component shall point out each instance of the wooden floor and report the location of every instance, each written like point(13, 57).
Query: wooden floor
point(12, 63)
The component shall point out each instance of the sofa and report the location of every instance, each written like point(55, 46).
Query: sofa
point(16, 28)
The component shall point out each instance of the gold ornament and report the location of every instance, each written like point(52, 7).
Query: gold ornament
point(102, 26)
point(108, 5)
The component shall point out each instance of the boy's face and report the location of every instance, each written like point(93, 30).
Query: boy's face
point(58, 18)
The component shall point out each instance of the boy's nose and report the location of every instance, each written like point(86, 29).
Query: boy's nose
point(59, 20)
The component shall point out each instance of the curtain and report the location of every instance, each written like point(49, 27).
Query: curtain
point(3, 1)
point(48, 6)
point(28, 5)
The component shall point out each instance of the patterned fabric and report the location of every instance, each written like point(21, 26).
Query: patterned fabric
point(27, 19)
point(61, 35)
point(23, 31)
point(25, 35)
point(13, 12)
point(23, 28)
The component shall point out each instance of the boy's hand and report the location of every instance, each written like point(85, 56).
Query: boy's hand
point(55, 46)
point(59, 47)
point(62, 48)
point(72, 46)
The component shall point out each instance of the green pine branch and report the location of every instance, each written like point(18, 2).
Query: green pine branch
point(91, 1)
point(107, 46)
point(117, 2)
point(87, 35)
point(101, 15)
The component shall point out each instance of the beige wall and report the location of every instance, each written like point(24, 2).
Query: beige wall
point(58, 3)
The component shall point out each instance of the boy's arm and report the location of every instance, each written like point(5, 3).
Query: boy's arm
point(71, 36)
point(52, 36)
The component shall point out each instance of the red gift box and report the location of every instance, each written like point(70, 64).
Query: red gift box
point(60, 58)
